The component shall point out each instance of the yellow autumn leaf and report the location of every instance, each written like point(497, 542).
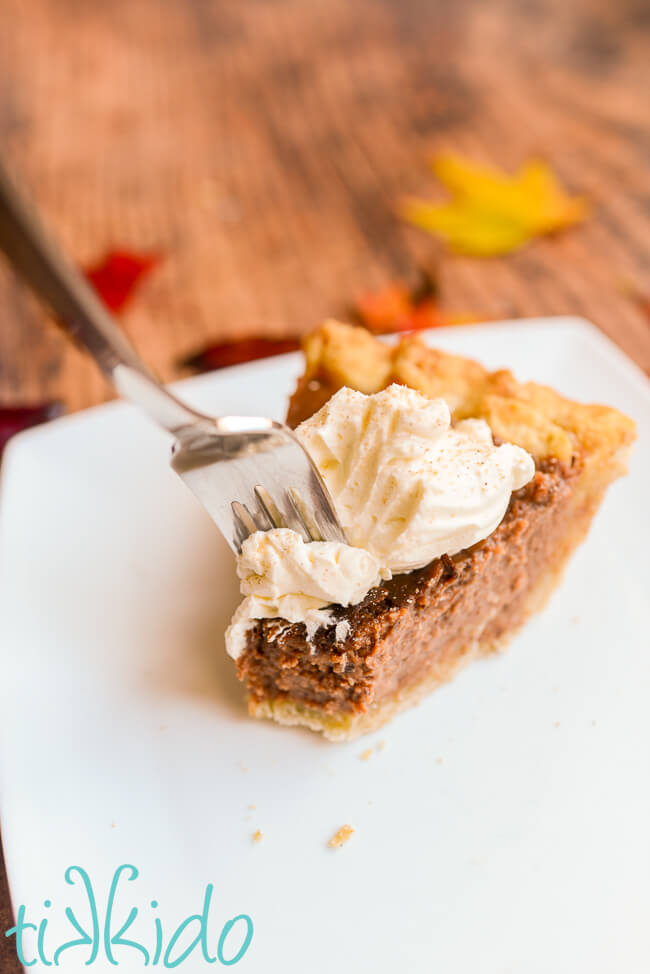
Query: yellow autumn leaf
point(490, 212)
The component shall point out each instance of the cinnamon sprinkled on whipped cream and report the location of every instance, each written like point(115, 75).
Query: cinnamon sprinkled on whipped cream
point(407, 487)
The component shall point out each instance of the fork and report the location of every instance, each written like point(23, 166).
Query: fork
point(250, 473)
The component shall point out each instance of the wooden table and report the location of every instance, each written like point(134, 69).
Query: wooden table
point(259, 147)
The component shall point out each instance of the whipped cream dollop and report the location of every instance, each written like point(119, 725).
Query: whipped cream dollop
point(282, 576)
point(407, 486)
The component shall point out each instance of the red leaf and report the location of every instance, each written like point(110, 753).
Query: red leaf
point(15, 419)
point(220, 355)
point(115, 277)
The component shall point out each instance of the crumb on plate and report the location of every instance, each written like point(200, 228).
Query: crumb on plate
point(257, 835)
point(340, 837)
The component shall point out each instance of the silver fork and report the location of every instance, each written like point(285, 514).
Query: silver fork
point(249, 472)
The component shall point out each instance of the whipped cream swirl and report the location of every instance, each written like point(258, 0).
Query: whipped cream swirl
point(407, 487)
point(284, 577)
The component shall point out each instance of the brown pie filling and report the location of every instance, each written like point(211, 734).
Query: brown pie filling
point(417, 625)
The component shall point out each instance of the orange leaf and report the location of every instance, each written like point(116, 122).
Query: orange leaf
point(399, 308)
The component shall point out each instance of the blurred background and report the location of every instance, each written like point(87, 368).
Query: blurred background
point(253, 152)
point(257, 149)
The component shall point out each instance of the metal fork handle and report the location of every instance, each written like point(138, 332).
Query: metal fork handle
point(201, 441)
point(80, 313)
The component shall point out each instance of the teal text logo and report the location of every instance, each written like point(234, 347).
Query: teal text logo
point(106, 935)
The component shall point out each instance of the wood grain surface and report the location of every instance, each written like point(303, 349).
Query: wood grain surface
point(259, 146)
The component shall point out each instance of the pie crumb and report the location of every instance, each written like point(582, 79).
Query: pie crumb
point(381, 745)
point(252, 807)
point(341, 837)
point(366, 754)
point(257, 835)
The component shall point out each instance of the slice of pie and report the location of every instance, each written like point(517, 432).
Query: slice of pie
point(413, 631)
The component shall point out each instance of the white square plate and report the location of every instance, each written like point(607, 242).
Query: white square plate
point(502, 828)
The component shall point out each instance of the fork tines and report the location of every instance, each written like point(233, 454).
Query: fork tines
point(268, 515)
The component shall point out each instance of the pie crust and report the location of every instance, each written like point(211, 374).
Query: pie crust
point(415, 632)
